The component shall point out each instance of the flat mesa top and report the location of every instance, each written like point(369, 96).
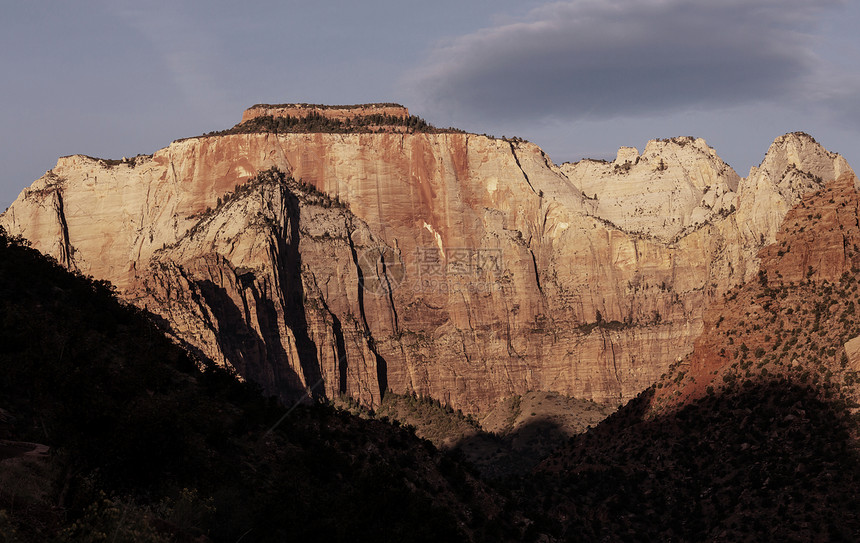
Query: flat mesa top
point(332, 112)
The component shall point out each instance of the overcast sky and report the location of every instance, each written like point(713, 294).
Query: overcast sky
point(580, 78)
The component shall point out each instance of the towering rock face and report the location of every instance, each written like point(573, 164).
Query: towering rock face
point(794, 166)
point(453, 265)
point(797, 319)
point(673, 187)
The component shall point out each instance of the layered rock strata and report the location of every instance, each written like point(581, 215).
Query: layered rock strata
point(453, 265)
point(339, 113)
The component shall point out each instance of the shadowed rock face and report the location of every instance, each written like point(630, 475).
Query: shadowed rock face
point(452, 265)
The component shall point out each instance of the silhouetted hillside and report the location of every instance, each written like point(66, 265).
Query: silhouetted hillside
point(148, 444)
point(766, 461)
point(753, 436)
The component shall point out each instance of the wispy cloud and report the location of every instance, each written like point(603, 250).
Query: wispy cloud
point(188, 52)
point(591, 59)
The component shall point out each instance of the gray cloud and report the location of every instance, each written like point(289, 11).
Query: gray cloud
point(594, 59)
point(835, 95)
point(187, 50)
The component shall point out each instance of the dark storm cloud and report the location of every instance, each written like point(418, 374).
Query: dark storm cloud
point(601, 58)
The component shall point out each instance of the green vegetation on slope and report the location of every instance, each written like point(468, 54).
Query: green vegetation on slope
point(755, 435)
point(315, 122)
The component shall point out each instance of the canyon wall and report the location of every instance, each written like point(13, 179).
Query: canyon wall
point(796, 320)
point(453, 265)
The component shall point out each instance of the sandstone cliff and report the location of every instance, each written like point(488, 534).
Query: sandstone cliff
point(673, 186)
point(457, 266)
point(797, 320)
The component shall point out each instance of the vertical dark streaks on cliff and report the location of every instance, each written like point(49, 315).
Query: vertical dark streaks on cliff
point(289, 264)
point(517, 160)
point(340, 346)
point(381, 364)
point(359, 272)
point(389, 291)
point(66, 249)
point(608, 339)
point(537, 274)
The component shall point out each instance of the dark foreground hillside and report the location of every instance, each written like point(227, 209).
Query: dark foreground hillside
point(768, 460)
point(110, 432)
point(754, 436)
